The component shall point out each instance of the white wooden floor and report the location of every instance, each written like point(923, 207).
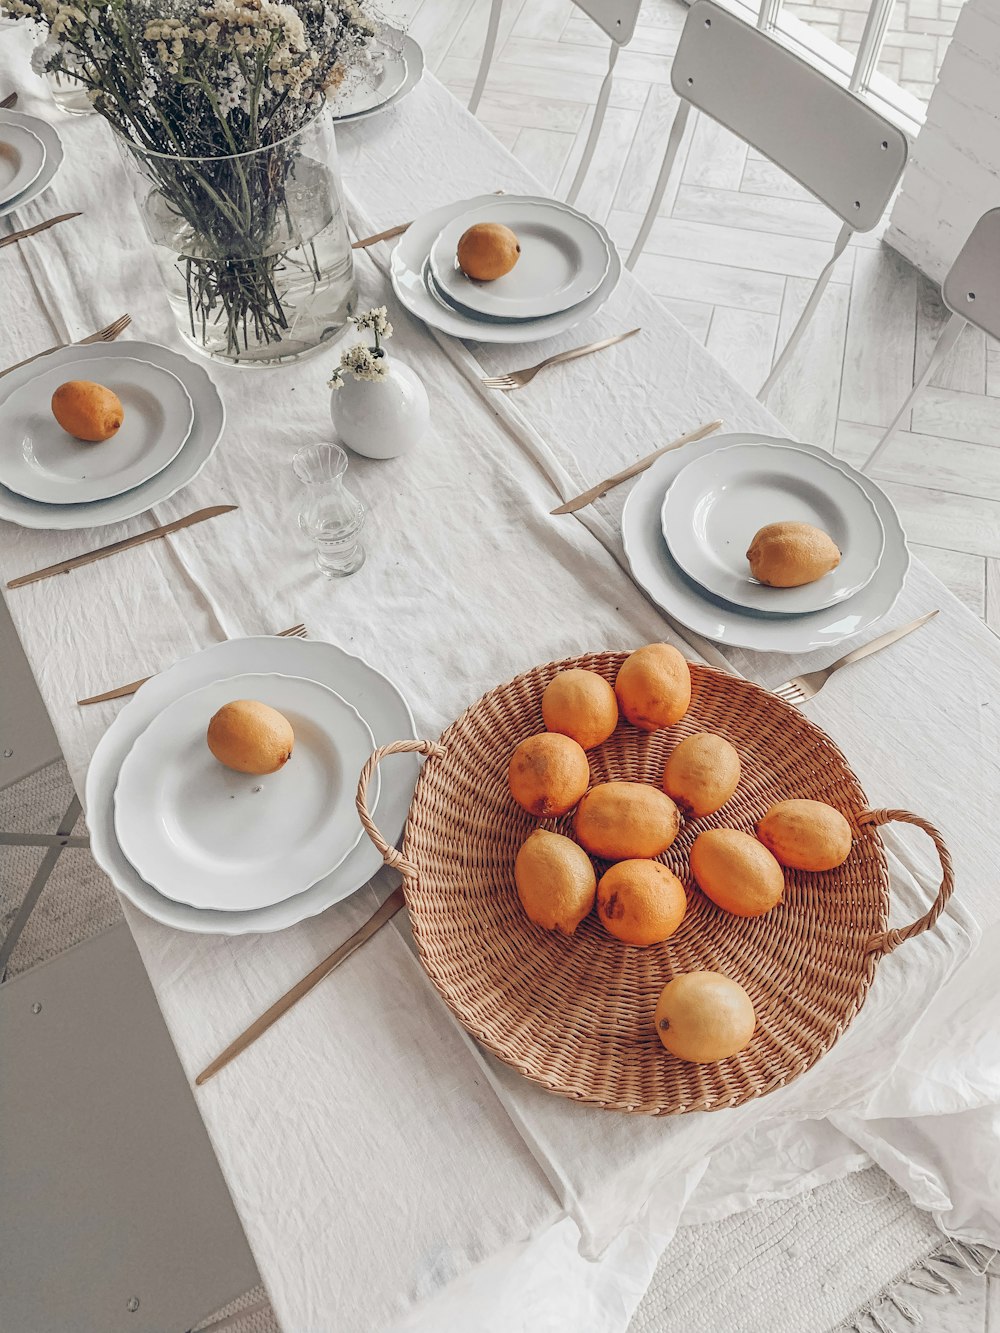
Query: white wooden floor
point(734, 255)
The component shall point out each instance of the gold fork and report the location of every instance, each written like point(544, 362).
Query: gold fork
point(9, 101)
point(294, 632)
point(106, 335)
point(800, 689)
point(517, 379)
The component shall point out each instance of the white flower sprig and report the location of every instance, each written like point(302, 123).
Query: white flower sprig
point(364, 362)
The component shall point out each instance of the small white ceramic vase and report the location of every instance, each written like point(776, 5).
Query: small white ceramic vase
point(381, 418)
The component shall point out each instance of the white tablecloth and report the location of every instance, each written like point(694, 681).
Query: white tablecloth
point(386, 1174)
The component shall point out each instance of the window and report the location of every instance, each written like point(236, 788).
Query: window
point(887, 51)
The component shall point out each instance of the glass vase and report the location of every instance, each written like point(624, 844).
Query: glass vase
point(69, 94)
point(329, 514)
point(253, 248)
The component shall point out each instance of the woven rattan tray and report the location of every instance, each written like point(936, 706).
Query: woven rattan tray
point(576, 1014)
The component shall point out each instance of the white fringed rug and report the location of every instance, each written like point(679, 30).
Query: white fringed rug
point(854, 1254)
point(851, 1255)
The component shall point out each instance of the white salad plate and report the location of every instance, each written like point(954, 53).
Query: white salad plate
point(375, 697)
point(205, 835)
point(563, 259)
point(22, 156)
point(656, 571)
point(412, 59)
point(719, 501)
point(409, 271)
point(44, 462)
point(206, 428)
point(52, 150)
point(382, 74)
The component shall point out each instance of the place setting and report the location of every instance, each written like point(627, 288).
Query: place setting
point(764, 543)
point(390, 68)
point(31, 153)
point(511, 269)
point(221, 800)
point(100, 432)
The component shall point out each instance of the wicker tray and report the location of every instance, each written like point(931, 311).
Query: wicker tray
point(576, 1014)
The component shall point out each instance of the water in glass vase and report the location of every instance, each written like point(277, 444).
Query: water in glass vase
point(253, 249)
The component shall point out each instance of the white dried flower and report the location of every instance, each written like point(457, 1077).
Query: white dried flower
point(363, 362)
point(377, 320)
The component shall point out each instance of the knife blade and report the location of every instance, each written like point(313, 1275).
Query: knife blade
point(602, 487)
point(102, 553)
point(22, 235)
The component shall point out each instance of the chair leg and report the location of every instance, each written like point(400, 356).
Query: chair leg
point(38, 883)
point(660, 188)
point(489, 46)
point(846, 232)
point(600, 110)
point(947, 340)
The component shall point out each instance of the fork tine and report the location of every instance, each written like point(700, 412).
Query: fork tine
point(112, 331)
point(501, 382)
point(791, 693)
point(295, 632)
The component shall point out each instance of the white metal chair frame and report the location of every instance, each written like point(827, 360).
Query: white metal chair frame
point(971, 291)
point(826, 138)
point(616, 18)
point(27, 743)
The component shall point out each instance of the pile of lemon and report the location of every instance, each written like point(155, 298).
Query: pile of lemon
point(701, 1016)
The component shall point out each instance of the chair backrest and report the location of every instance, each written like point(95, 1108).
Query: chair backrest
point(831, 142)
point(615, 17)
point(972, 287)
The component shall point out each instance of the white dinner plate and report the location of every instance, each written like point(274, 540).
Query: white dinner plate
point(447, 303)
point(563, 259)
point(409, 262)
point(413, 60)
point(22, 156)
point(377, 700)
point(53, 152)
point(372, 83)
point(719, 501)
point(216, 839)
point(656, 571)
point(44, 462)
point(207, 427)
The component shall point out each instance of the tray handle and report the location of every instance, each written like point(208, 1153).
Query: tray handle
point(390, 855)
point(888, 940)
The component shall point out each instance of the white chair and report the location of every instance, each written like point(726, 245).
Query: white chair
point(616, 18)
point(27, 743)
point(114, 1215)
point(820, 133)
point(971, 291)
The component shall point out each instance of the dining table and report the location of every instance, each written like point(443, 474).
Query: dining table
point(388, 1172)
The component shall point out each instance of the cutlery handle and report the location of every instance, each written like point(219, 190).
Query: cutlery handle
point(16, 236)
point(365, 241)
point(574, 352)
point(291, 997)
point(883, 641)
point(635, 468)
point(28, 359)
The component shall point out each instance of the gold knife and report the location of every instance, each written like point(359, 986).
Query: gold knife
point(609, 483)
point(366, 241)
point(291, 997)
point(16, 236)
point(64, 566)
